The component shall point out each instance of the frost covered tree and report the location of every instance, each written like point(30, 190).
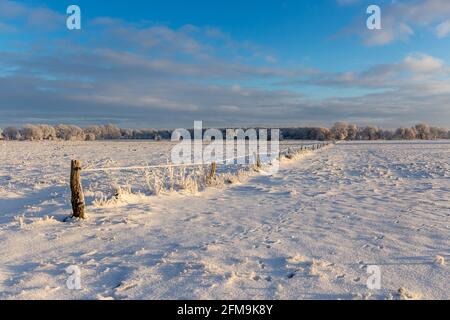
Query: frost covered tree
point(62, 132)
point(320, 134)
point(386, 134)
point(90, 137)
point(67, 132)
point(438, 133)
point(111, 131)
point(94, 132)
point(339, 130)
point(399, 133)
point(352, 131)
point(405, 133)
point(31, 132)
point(136, 134)
point(48, 132)
point(11, 133)
point(126, 133)
point(369, 133)
point(410, 134)
point(423, 131)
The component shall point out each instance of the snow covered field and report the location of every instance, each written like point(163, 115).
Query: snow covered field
point(307, 232)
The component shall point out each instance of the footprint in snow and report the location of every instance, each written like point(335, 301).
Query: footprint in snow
point(256, 278)
point(290, 275)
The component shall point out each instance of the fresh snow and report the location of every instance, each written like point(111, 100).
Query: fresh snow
point(310, 231)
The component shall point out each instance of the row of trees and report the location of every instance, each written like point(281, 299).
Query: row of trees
point(340, 131)
point(70, 132)
point(344, 131)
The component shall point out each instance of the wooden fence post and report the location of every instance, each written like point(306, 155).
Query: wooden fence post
point(76, 188)
point(212, 173)
point(258, 161)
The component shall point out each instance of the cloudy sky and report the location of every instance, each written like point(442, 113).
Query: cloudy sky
point(229, 63)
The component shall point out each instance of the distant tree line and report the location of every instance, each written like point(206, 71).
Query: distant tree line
point(344, 131)
point(339, 131)
point(38, 132)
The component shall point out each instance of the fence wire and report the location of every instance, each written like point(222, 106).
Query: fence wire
point(224, 162)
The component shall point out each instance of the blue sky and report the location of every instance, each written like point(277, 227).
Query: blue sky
point(229, 63)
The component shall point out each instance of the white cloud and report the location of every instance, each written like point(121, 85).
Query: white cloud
point(443, 29)
point(415, 71)
point(421, 63)
point(388, 34)
point(33, 18)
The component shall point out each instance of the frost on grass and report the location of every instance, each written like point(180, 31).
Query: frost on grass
point(405, 294)
point(121, 197)
point(20, 220)
point(439, 260)
point(121, 189)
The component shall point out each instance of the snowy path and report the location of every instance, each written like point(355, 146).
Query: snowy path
point(307, 232)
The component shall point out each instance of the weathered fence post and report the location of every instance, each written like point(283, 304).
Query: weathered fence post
point(258, 161)
point(212, 173)
point(78, 205)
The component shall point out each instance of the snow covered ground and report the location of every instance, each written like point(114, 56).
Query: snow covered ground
point(309, 231)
